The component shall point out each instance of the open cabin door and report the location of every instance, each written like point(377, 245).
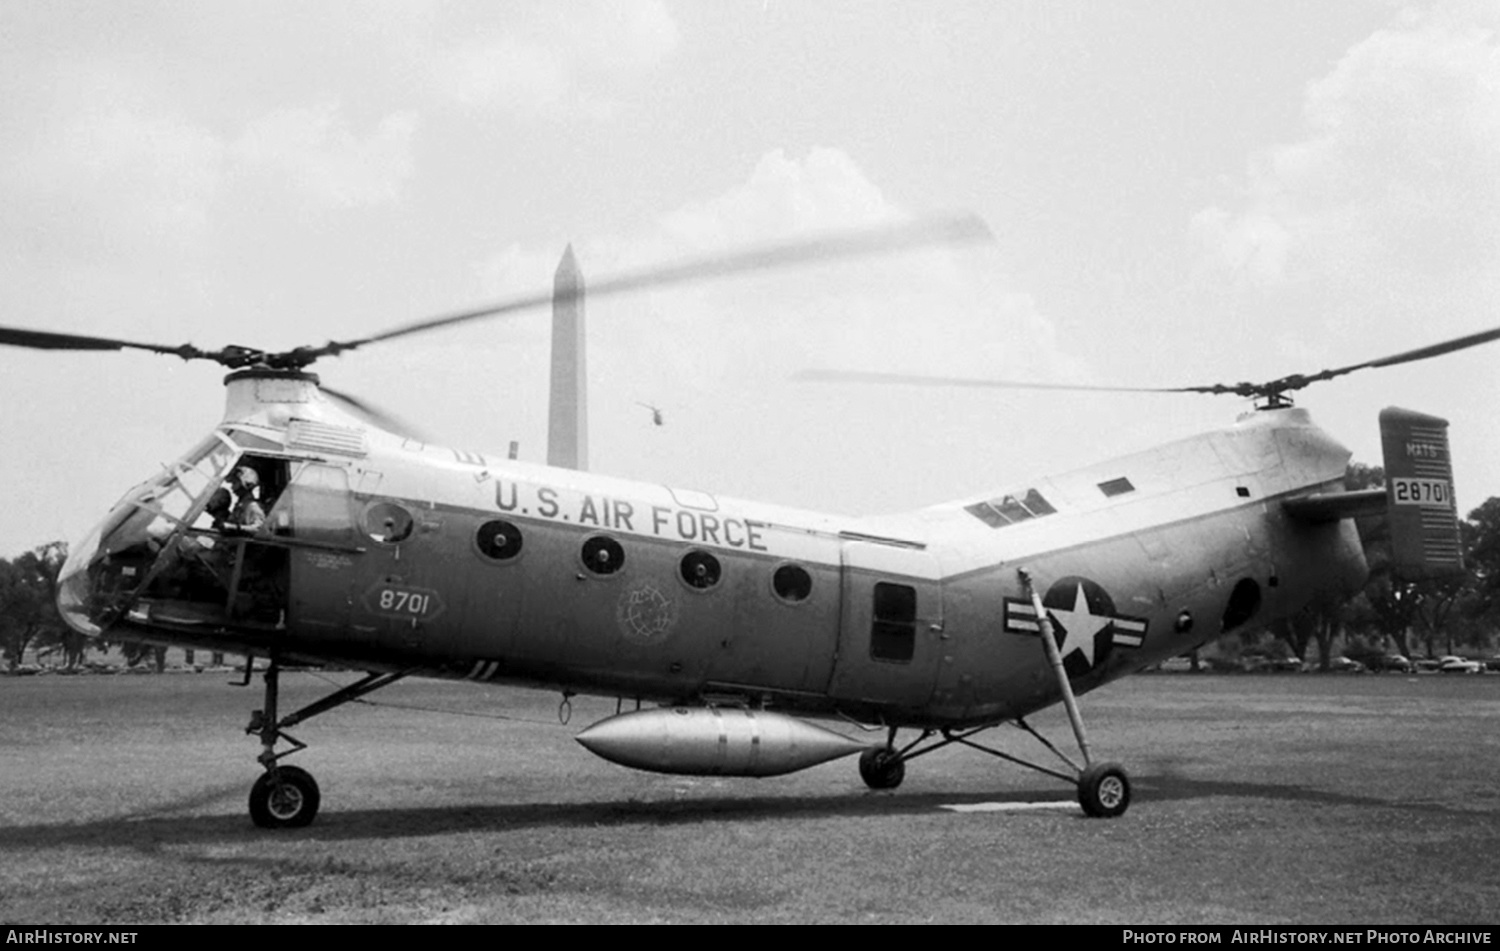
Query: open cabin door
point(891, 632)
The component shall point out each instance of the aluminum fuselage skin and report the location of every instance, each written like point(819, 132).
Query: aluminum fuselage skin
point(910, 620)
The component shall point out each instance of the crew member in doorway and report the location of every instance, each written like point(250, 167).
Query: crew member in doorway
point(248, 515)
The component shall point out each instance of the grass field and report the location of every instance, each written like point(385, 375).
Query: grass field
point(1258, 800)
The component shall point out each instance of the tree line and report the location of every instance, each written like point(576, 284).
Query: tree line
point(29, 617)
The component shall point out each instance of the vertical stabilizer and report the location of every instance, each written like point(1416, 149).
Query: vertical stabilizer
point(567, 409)
point(1419, 495)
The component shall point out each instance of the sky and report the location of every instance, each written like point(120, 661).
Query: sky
point(1180, 193)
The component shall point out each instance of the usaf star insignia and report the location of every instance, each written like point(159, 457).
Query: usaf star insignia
point(1084, 622)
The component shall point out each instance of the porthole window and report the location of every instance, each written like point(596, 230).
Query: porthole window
point(701, 570)
point(387, 522)
point(603, 555)
point(498, 539)
point(792, 583)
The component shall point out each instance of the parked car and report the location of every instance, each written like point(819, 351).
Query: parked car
point(1345, 665)
point(1426, 664)
point(1459, 665)
point(1269, 663)
point(1392, 662)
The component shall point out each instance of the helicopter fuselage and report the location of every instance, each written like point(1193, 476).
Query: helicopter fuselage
point(389, 555)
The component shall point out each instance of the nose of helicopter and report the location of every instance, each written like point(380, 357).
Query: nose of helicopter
point(73, 585)
point(109, 567)
point(104, 569)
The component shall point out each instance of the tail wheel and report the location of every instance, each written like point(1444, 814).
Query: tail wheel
point(1104, 790)
point(882, 768)
point(284, 797)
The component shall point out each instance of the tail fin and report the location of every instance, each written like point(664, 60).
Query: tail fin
point(1422, 513)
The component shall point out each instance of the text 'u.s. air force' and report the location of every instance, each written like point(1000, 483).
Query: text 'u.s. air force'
point(663, 521)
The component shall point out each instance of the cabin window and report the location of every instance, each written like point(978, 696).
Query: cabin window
point(700, 570)
point(318, 504)
point(893, 633)
point(1116, 487)
point(498, 539)
point(388, 522)
point(602, 555)
point(1010, 509)
point(791, 583)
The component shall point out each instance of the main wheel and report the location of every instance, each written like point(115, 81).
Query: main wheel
point(881, 768)
point(284, 797)
point(1104, 790)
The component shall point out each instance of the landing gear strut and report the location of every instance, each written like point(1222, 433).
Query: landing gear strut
point(1103, 788)
point(286, 797)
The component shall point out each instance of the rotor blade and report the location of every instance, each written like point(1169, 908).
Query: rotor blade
point(47, 340)
point(856, 376)
point(1269, 389)
point(374, 415)
point(926, 232)
point(1411, 356)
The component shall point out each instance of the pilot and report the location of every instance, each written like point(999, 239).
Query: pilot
point(201, 569)
point(218, 508)
point(248, 515)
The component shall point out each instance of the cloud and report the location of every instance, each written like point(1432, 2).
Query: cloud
point(545, 58)
point(718, 356)
point(1396, 179)
point(783, 197)
point(733, 344)
point(119, 164)
point(135, 171)
point(313, 147)
point(144, 141)
point(832, 313)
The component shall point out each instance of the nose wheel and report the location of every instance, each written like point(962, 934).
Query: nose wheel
point(284, 797)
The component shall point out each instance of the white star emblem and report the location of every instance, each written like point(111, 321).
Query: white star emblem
point(1079, 626)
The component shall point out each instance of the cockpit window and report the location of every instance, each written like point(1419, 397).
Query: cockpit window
point(104, 572)
point(172, 495)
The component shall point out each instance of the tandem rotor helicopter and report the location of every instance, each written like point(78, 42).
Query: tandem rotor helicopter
point(308, 527)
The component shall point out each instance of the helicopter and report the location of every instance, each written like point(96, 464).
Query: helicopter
point(309, 527)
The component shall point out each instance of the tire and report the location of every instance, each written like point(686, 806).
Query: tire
point(881, 768)
point(1104, 790)
point(284, 797)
